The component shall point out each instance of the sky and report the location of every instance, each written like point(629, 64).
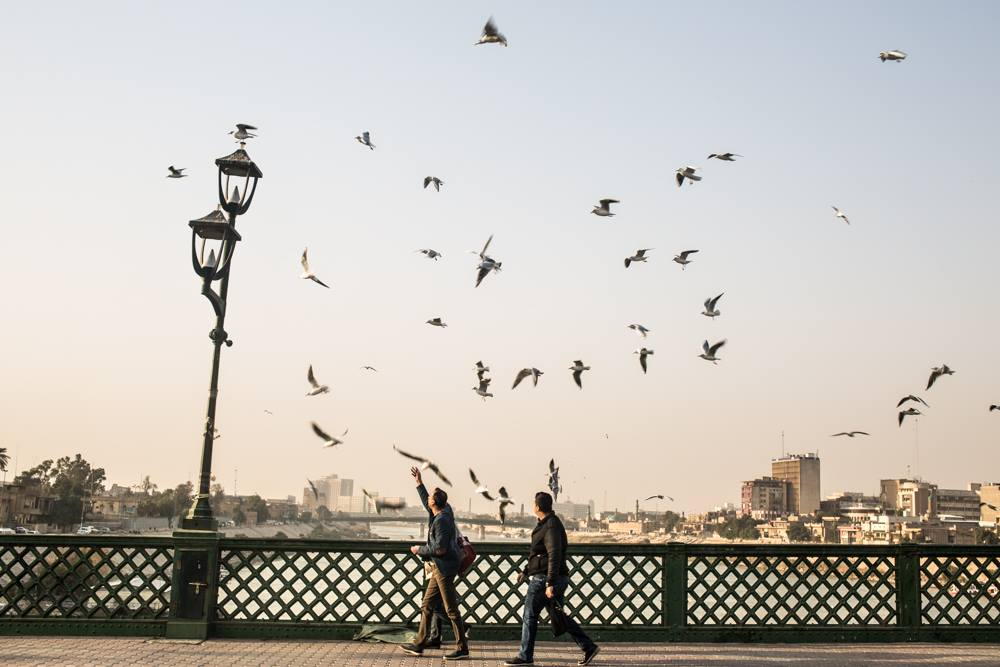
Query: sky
point(104, 348)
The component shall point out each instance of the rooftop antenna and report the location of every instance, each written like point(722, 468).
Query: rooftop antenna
point(916, 448)
point(234, 482)
point(782, 444)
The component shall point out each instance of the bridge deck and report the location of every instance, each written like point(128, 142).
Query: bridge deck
point(121, 651)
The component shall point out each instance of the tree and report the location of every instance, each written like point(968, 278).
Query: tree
point(257, 504)
point(183, 495)
point(4, 459)
point(72, 480)
point(306, 516)
point(147, 485)
point(323, 514)
point(743, 527)
point(239, 518)
point(797, 532)
point(986, 536)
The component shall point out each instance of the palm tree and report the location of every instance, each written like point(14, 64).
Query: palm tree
point(4, 458)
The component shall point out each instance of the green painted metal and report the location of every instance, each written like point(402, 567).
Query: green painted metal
point(675, 592)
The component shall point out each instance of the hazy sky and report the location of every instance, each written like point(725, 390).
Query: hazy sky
point(104, 340)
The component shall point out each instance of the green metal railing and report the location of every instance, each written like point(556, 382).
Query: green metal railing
point(673, 592)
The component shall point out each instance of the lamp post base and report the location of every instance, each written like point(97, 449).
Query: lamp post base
point(199, 517)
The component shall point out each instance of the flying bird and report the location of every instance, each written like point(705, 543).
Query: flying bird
point(480, 487)
point(366, 140)
point(328, 440)
point(727, 157)
point(578, 368)
point(481, 369)
point(709, 350)
point(710, 309)
point(306, 273)
point(491, 35)
point(604, 210)
point(382, 504)
point(643, 353)
point(425, 464)
point(431, 253)
point(849, 434)
point(639, 256)
point(317, 388)
point(483, 388)
point(533, 373)
point(688, 173)
point(369, 368)
point(503, 502)
point(436, 322)
point(486, 263)
point(840, 214)
point(241, 133)
point(908, 412)
point(435, 180)
point(682, 258)
point(660, 496)
point(990, 506)
point(994, 407)
point(895, 54)
point(175, 172)
point(554, 486)
point(268, 412)
point(911, 397)
point(639, 329)
point(315, 491)
point(937, 372)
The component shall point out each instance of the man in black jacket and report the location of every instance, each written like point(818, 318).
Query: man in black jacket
point(442, 560)
point(548, 576)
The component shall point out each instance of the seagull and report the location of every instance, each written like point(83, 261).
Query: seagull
point(480, 488)
point(994, 407)
point(268, 412)
point(688, 173)
point(329, 440)
point(533, 373)
point(374, 502)
point(639, 329)
point(436, 322)
point(491, 35)
point(840, 214)
point(314, 489)
point(481, 370)
point(660, 496)
point(435, 180)
point(175, 172)
point(850, 434)
point(483, 388)
point(366, 140)
point(504, 501)
point(306, 273)
point(895, 54)
point(990, 506)
point(937, 372)
point(241, 132)
point(554, 485)
point(911, 397)
point(578, 368)
point(486, 263)
point(369, 368)
point(639, 256)
point(727, 157)
point(317, 388)
point(710, 350)
point(425, 464)
point(604, 210)
point(710, 309)
point(382, 504)
point(682, 258)
point(430, 253)
point(908, 412)
point(643, 353)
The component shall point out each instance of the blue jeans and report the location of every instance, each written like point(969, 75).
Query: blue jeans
point(534, 602)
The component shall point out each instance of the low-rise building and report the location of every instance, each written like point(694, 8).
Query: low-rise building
point(962, 503)
point(765, 498)
point(24, 504)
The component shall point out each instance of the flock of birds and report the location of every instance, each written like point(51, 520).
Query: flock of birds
point(487, 265)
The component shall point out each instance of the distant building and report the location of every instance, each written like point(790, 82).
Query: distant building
point(765, 498)
point(802, 470)
point(576, 511)
point(989, 493)
point(24, 504)
point(908, 497)
point(331, 489)
point(960, 503)
point(282, 509)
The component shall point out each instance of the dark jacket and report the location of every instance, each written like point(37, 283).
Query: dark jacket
point(442, 538)
point(548, 549)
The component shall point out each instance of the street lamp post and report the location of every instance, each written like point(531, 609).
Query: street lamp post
point(216, 234)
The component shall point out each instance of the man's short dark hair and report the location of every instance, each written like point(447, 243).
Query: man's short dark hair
point(544, 501)
point(440, 497)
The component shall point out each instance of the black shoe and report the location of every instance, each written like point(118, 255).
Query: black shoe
point(518, 661)
point(433, 643)
point(460, 654)
point(588, 656)
point(412, 649)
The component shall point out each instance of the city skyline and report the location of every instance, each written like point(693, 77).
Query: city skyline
point(828, 324)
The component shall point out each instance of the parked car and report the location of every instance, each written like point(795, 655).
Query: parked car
point(85, 530)
point(24, 530)
point(7, 531)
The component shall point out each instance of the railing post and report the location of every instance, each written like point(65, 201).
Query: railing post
point(194, 584)
point(908, 588)
point(675, 588)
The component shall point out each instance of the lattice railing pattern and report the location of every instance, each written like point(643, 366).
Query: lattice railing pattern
point(960, 590)
point(791, 590)
point(93, 581)
point(337, 586)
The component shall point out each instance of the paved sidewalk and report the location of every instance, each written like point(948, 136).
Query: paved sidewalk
point(51, 651)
